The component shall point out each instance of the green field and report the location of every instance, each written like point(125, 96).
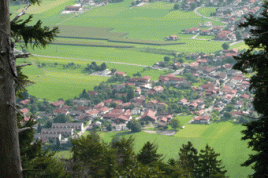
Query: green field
point(54, 83)
point(225, 138)
point(205, 11)
point(205, 37)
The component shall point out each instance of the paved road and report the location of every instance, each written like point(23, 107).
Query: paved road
point(236, 42)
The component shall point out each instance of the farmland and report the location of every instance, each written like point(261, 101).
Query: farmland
point(205, 11)
point(225, 138)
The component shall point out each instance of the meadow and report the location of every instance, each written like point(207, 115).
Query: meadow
point(225, 138)
point(205, 11)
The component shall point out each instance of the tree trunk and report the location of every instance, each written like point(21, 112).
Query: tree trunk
point(10, 163)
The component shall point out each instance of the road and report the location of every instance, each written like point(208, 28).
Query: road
point(195, 10)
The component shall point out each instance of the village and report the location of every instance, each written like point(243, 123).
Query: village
point(223, 87)
point(223, 90)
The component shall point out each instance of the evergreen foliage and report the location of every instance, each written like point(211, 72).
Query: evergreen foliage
point(148, 154)
point(256, 131)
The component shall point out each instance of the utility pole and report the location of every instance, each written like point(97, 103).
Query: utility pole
point(10, 165)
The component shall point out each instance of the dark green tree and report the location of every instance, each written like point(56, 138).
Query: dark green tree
point(176, 6)
point(109, 127)
point(225, 46)
point(61, 118)
point(125, 156)
point(188, 158)
point(148, 154)
point(256, 131)
point(48, 124)
point(130, 94)
point(166, 59)
point(134, 126)
point(226, 116)
point(25, 95)
point(208, 165)
point(103, 66)
point(175, 123)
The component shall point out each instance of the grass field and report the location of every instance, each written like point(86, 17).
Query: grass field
point(205, 37)
point(54, 83)
point(205, 11)
point(225, 138)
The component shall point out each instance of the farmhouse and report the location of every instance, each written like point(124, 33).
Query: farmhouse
point(58, 104)
point(73, 8)
point(75, 126)
point(171, 79)
point(201, 120)
point(223, 35)
point(24, 102)
point(172, 37)
point(205, 32)
point(148, 116)
point(216, 29)
point(123, 74)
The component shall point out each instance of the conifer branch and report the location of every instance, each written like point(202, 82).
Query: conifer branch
point(23, 65)
point(23, 129)
point(22, 55)
point(22, 13)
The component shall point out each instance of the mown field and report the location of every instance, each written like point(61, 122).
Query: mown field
point(225, 138)
point(54, 81)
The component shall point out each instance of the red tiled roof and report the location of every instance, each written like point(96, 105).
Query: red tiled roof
point(208, 85)
point(122, 117)
point(120, 73)
point(202, 118)
point(183, 100)
point(83, 108)
point(245, 83)
point(117, 111)
point(194, 64)
point(104, 109)
point(58, 103)
point(153, 101)
point(94, 111)
point(93, 93)
point(150, 92)
point(217, 27)
point(237, 78)
point(163, 119)
point(111, 115)
point(126, 104)
point(108, 101)
point(24, 110)
point(25, 101)
point(150, 114)
point(118, 102)
point(158, 88)
point(245, 96)
point(97, 106)
point(204, 31)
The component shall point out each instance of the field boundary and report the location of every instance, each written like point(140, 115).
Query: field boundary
point(93, 45)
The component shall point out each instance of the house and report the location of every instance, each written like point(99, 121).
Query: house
point(24, 111)
point(58, 104)
point(216, 29)
point(149, 116)
point(201, 120)
point(183, 101)
point(192, 30)
point(158, 89)
point(237, 79)
point(245, 96)
point(93, 113)
point(73, 8)
point(98, 106)
point(123, 74)
point(24, 102)
point(202, 62)
point(84, 109)
point(108, 102)
point(151, 104)
point(140, 81)
point(150, 92)
point(161, 105)
point(104, 110)
point(238, 105)
point(138, 91)
point(205, 32)
point(46, 137)
point(208, 24)
point(63, 131)
point(93, 93)
point(118, 102)
point(119, 87)
point(170, 79)
point(75, 126)
point(172, 37)
point(245, 36)
point(223, 35)
point(81, 102)
point(62, 110)
point(193, 65)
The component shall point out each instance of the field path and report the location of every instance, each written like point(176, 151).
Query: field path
point(90, 60)
point(203, 5)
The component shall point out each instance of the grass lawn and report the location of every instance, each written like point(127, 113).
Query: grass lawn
point(225, 138)
point(205, 37)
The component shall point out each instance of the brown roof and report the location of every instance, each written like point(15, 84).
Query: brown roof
point(24, 110)
point(103, 109)
point(117, 111)
point(108, 101)
point(58, 103)
point(153, 101)
point(150, 114)
point(97, 106)
point(202, 118)
point(83, 108)
point(25, 101)
point(120, 73)
point(93, 93)
point(183, 100)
